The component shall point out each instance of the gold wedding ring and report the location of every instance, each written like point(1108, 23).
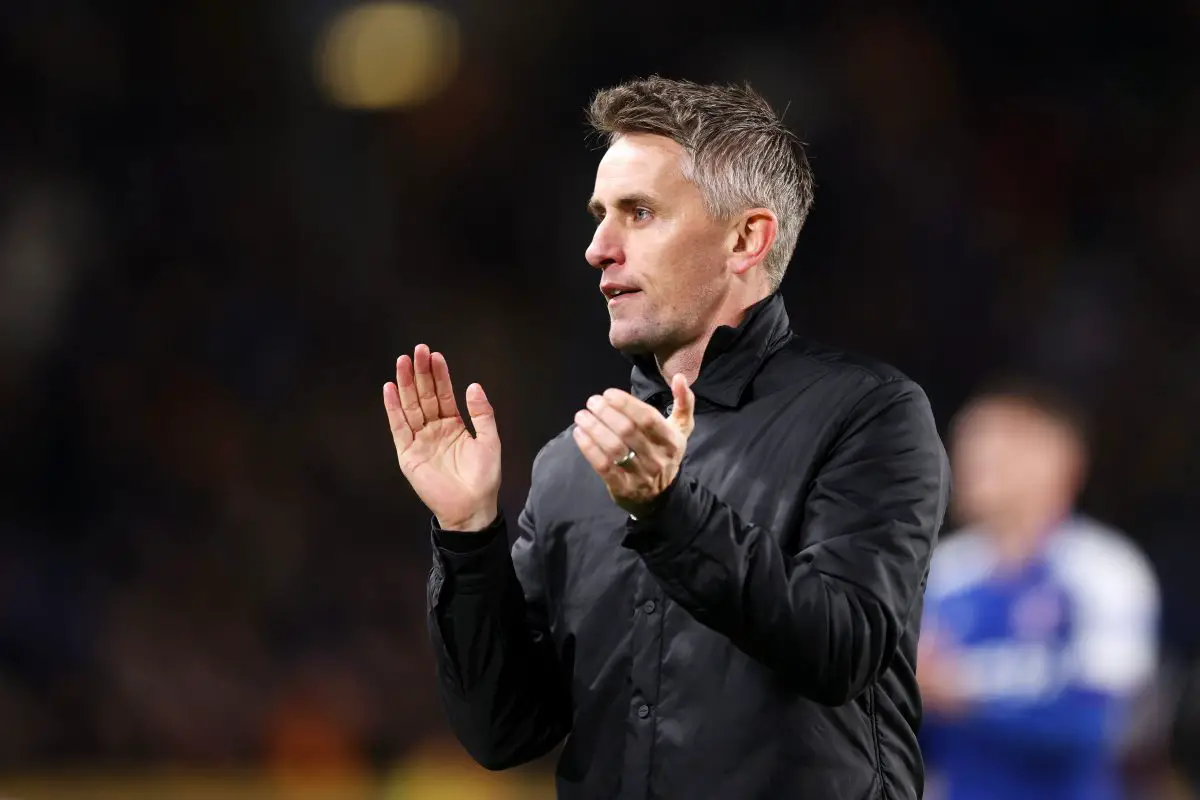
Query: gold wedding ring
point(625, 460)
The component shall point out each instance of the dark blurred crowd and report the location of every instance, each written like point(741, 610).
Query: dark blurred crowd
point(207, 555)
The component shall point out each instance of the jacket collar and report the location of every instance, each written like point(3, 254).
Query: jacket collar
point(731, 360)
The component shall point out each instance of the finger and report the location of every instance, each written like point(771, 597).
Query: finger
point(684, 413)
point(628, 436)
point(613, 446)
point(443, 387)
point(650, 424)
point(592, 452)
point(407, 389)
point(423, 377)
point(483, 417)
point(402, 435)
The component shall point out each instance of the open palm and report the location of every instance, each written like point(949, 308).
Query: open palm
point(455, 474)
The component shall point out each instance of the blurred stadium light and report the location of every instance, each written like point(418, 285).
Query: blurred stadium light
point(385, 55)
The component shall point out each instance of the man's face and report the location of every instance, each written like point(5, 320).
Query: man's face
point(1009, 458)
point(655, 239)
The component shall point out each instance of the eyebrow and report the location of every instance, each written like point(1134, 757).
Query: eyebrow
point(596, 208)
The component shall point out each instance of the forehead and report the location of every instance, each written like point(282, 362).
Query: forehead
point(640, 161)
point(1006, 418)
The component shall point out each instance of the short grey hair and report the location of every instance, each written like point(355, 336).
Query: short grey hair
point(740, 154)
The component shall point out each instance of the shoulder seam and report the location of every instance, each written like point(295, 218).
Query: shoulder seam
point(834, 358)
point(881, 383)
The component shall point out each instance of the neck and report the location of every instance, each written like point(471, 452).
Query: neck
point(686, 360)
point(1019, 537)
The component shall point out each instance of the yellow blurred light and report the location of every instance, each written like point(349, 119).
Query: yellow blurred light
point(387, 55)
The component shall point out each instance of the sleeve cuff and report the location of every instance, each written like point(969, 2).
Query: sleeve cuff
point(670, 526)
point(467, 541)
point(473, 562)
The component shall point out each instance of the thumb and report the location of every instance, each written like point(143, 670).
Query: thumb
point(685, 405)
point(482, 416)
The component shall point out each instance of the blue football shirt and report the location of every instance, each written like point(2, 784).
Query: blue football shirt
point(1050, 655)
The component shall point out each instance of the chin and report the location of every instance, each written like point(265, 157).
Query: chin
point(627, 342)
point(641, 336)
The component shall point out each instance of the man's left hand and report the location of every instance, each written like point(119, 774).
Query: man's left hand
point(632, 447)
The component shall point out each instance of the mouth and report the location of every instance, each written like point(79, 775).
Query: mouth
point(618, 294)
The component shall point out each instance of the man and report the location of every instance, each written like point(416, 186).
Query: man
point(1040, 624)
point(717, 578)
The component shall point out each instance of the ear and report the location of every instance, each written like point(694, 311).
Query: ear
point(750, 239)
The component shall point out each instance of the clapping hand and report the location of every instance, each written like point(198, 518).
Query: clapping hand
point(633, 448)
point(455, 474)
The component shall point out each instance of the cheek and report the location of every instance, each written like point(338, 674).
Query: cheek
point(976, 481)
point(1039, 471)
point(982, 468)
point(679, 266)
point(662, 264)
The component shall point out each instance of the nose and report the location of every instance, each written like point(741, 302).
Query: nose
point(605, 248)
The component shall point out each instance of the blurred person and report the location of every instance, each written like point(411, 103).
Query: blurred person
point(736, 622)
point(1041, 624)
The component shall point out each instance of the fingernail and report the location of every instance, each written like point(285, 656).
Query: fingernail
point(594, 402)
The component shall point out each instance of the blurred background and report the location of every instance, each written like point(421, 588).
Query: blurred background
point(222, 220)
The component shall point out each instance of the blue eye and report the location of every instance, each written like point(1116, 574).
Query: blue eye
point(641, 214)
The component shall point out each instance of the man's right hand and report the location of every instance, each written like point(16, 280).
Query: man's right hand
point(455, 474)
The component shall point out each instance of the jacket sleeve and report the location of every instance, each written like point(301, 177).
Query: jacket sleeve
point(498, 671)
point(829, 618)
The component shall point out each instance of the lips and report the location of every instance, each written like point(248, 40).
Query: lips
point(621, 299)
point(615, 291)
